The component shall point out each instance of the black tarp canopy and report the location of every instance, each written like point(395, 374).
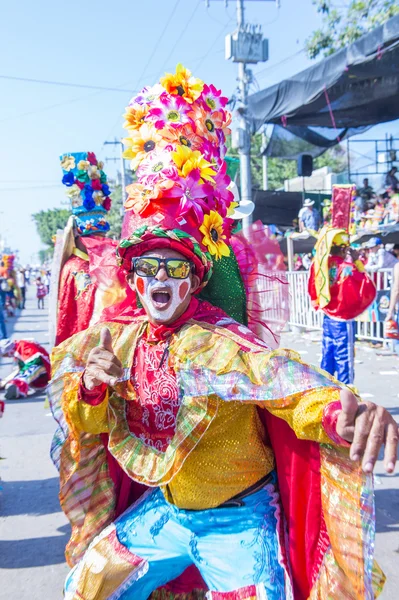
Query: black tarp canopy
point(340, 96)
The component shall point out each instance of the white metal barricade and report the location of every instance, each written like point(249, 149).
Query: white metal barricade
point(303, 315)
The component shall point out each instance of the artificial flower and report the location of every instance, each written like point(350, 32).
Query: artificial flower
point(145, 140)
point(80, 184)
point(135, 115)
point(211, 153)
point(83, 165)
point(212, 230)
point(183, 84)
point(140, 196)
point(222, 193)
point(91, 157)
point(68, 179)
point(107, 203)
point(103, 177)
point(68, 162)
point(148, 95)
point(156, 166)
point(73, 190)
point(208, 124)
point(231, 208)
point(93, 172)
point(212, 98)
point(105, 190)
point(87, 193)
point(98, 197)
point(194, 195)
point(76, 201)
point(82, 175)
point(168, 111)
point(96, 185)
point(187, 160)
point(100, 165)
point(184, 136)
point(89, 203)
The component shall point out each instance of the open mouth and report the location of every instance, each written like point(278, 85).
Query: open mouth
point(161, 298)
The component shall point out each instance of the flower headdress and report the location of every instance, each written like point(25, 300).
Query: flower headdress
point(176, 144)
point(87, 190)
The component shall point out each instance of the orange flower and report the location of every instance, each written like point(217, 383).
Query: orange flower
point(140, 196)
point(135, 115)
point(207, 124)
point(183, 136)
point(182, 83)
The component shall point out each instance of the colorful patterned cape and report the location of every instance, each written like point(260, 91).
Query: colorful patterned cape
point(327, 500)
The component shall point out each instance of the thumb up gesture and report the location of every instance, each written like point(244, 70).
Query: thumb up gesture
point(102, 364)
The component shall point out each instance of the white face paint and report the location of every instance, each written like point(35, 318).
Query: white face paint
point(163, 300)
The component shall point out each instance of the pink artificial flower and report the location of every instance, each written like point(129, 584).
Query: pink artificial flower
point(194, 195)
point(212, 98)
point(211, 153)
point(91, 157)
point(169, 111)
point(157, 166)
point(96, 184)
point(80, 184)
point(223, 196)
point(107, 203)
point(148, 95)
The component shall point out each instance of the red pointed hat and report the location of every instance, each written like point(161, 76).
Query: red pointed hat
point(181, 199)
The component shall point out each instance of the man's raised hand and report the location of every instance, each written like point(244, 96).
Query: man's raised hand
point(102, 364)
point(368, 427)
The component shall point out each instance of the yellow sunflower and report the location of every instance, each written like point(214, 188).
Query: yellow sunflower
point(141, 142)
point(212, 229)
point(186, 160)
point(182, 83)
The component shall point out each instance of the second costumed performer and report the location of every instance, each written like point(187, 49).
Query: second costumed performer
point(341, 288)
point(250, 460)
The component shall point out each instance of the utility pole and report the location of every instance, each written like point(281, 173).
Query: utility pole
point(245, 46)
point(265, 180)
point(245, 146)
point(123, 173)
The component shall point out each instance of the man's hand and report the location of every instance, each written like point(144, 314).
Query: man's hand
point(368, 426)
point(102, 364)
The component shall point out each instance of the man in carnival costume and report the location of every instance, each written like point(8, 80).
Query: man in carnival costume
point(257, 467)
point(32, 373)
point(75, 301)
point(341, 288)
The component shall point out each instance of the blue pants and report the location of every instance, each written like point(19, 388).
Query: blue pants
point(233, 547)
point(338, 348)
point(3, 331)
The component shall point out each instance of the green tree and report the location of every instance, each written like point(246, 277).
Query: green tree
point(48, 221)
point(342, 26)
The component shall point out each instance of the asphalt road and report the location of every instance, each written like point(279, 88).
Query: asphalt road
point(34, 531)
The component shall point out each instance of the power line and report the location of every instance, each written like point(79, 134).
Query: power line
point(49, 107)
point(156, 45)
point(65, 84)
point(33, 187)
point(284, 60)
point(179, 37)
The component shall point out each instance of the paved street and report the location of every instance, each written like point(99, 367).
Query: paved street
point(33, 530)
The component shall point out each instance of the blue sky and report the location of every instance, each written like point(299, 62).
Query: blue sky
point(111, 44)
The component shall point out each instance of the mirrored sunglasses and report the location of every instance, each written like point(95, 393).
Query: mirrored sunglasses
point(148, 266)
